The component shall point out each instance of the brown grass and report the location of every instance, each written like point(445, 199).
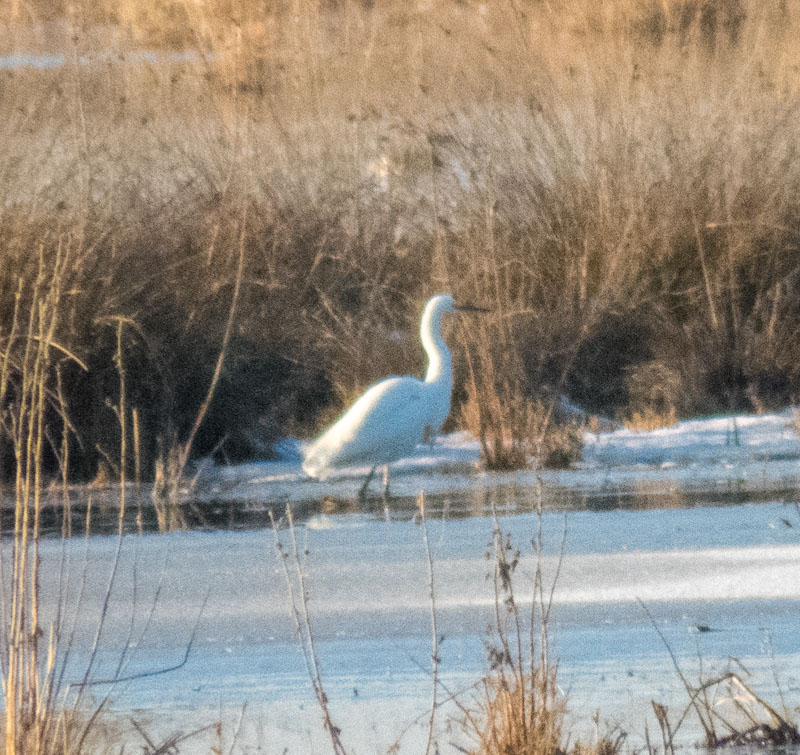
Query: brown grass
point(37, 719)
point(522, 709)
point(619, 181)
point(519, 720)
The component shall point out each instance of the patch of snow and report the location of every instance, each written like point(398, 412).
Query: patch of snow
point(321, 522)
point(742, 452)
point(718, 439)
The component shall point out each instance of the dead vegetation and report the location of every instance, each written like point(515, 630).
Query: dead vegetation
point(29, 359)
point(264, 193)
point(522, 710)
point(618, 182)
point(52, 706)
point(727, 709)
point(730, 713)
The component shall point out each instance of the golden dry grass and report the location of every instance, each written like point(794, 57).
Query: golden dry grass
point(618, 180)
point(524, 718)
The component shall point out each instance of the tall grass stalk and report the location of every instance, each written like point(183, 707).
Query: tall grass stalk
point(522, 710)
point(29, 661)
point(435, 660)
point(298, 603)
point(42, 714)
point(122, 417)
point(169, 471)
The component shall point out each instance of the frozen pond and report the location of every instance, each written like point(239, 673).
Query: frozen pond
point(704, 531)
point(43, 61)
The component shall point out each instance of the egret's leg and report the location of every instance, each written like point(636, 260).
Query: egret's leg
point(386, 515)
point(386, 483)
point(362, 494)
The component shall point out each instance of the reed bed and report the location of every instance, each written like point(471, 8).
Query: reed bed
point(617, 180)
point(35, 718)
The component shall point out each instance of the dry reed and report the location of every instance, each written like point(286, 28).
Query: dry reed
point(618, 180)
point(522, 710)
point(44, 714)
point(729, 712)
point(29, 355)
point(294, 571)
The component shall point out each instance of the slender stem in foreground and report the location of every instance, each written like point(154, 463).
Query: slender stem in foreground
point(302, 622)
point(121, 416)
point(434, 630)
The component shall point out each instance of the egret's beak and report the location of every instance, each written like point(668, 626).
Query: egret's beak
point(470, 308)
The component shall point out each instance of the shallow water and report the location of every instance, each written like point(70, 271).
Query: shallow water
point(459, 496)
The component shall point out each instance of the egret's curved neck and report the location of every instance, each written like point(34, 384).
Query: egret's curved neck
point(440, 369)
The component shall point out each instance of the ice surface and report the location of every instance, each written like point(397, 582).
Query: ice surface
point(733, 570)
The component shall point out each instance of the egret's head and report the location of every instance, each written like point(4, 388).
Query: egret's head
point(435, 309)
point(443, 303)
point(440, 304)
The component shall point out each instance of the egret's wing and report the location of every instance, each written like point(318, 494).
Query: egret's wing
point(384, 424)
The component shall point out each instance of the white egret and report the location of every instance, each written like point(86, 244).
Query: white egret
point(394, 415)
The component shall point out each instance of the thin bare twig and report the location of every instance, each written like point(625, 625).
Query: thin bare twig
point(298, 604)
point(223, 349)
point(154, 672)
point(434, 630)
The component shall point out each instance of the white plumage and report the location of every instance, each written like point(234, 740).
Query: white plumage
point(394, 415)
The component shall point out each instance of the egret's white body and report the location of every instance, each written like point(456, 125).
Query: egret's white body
point(394, 415)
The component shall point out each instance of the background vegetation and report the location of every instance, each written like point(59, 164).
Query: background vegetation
point(618, 180)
